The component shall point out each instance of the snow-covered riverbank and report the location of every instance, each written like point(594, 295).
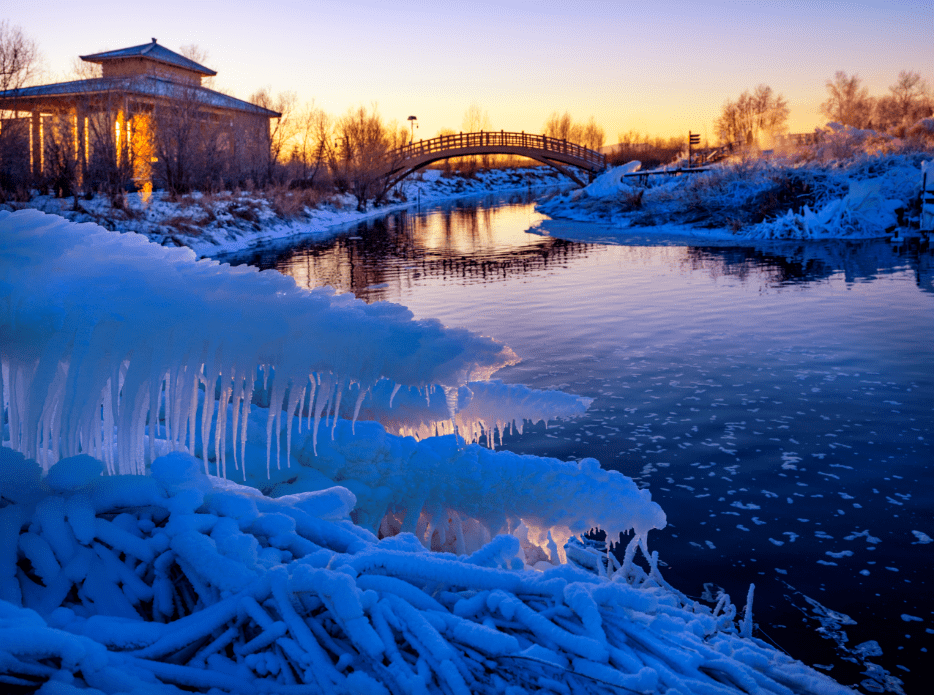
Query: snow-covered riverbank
point(226, 222)
point(854, 184)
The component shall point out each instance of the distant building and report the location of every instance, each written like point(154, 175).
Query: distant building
point(147, 115)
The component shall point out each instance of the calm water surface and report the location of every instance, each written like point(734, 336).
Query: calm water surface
point(777, 400)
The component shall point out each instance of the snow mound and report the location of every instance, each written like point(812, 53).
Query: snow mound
point(610, 182)
point(136, 585)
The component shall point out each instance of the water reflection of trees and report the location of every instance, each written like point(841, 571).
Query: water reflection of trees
point(467, 242)
point(778, 264)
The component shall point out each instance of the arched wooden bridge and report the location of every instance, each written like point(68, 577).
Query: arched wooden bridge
point(559, 154)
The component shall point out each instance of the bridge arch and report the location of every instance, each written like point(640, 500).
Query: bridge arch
point(559, 154)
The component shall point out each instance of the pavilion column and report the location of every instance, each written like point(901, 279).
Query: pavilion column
point(82, 149)
point(36, 143)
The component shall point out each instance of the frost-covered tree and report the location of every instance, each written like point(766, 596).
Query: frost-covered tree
point(753, 117)
point(848, 102)
point(910, 99)
point(562, 127)
point(593, 135)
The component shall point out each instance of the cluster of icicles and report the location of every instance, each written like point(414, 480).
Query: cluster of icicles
point(106, 339)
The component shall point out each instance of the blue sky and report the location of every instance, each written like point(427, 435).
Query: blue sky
point(656, 67)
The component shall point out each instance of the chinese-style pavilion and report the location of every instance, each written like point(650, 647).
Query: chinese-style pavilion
point(141, 84)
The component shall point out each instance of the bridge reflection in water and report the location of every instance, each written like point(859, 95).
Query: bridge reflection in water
point(468, 242)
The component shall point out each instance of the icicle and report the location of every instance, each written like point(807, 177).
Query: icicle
point(451, 402)
point(207, 408)
point(312, 381)
point(273, 418)
point(747, 626)
point(321, 401)
point(396, 387)
point(339, 390)
point(236, 399)
point(242, 435)
point(357, 404)
point(193, 409)
point(220, 430)
point(295, 400)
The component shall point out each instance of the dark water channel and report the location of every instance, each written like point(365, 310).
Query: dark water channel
point(776, 399)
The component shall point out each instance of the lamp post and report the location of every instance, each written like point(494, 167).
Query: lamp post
point(412, 122)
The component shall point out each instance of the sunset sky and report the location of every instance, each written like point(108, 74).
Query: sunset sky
point(658, 67)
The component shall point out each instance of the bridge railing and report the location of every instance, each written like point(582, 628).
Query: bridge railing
point(445, 143)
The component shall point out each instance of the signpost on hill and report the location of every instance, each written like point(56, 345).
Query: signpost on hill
point(693, 140)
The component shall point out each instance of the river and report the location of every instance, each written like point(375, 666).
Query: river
point(776, 399)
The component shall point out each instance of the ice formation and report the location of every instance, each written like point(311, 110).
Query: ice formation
point(179, 582)
point(103, 332)
point(453, 497)
point(482, 408)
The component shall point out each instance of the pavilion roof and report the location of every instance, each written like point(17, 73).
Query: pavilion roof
point(145, 85)
point(150, 51)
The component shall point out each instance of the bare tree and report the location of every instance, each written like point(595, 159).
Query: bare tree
point(364, 142)
point(58, 159)
point(848, 102)
point(910, 99)
point(476, 120)
point(20, 61)
point(284, 127)
point(196, 53)
point(20, 64)
point(109, 163)
point(593, 135)
point(753, 117)
point(311, 144)
point(562, 127)
point(193, 149)
point(83, 70)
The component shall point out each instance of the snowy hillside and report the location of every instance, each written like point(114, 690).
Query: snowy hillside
point(854, 184)
point(373, 563)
